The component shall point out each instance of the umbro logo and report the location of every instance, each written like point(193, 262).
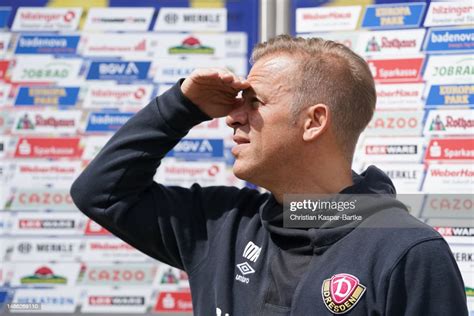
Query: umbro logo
point(245, 268)
point(251, 251)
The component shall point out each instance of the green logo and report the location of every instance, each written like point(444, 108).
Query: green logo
point(43, 275)
point(191, 45)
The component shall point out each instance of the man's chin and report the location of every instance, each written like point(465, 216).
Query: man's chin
point(242, 172)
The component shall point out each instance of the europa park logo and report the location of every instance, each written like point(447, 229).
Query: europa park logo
point(342, 292)
point(43, 275)
point(191, 45)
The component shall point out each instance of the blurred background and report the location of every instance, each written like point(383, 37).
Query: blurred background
point(72, 72)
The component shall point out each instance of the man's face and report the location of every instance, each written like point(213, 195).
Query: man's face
point(263, 126)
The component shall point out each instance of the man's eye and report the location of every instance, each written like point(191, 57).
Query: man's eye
point(255, 102)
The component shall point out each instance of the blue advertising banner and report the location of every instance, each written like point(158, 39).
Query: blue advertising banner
point(118, 70)
point(450, 94)
point(47, 96)
point(4, 15)
point(393, 15)
point(47, 44)
point(198, 148)
point(106, 121)
point(450, 40)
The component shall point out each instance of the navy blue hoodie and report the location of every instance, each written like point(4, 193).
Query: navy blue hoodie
point(232, 243)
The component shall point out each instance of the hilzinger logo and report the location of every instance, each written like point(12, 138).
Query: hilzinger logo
point(251, 252)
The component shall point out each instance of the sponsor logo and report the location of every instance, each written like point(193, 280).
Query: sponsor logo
point(48, 148)
point(106, 122)
point(448, 39)
point(169, 276)
point(4, 42)
point(455, 122)
point(47, 44)
point(4, 64)
point(342, 292)
point(122, 45)
point(449, 69)
point(4, 15)
point(120, 70)
point(45, 69)
point(449, 205)
point(94, 229)
point(187, 173)
point(191, 45)
point(43, 275)
point(393, 15)
point(449, 178)
point(391, 42)
point(396, 149)
point(174, 302)
point(47, 223)
point(110, 300)
point(117, 96)
point(198, 148)
point(62, 300)
point(191, 19)
point(455, 231)
point(51, 174)
point(396, 70)
point(45, 249)
point(251, 251)
point(40, 199)
point(118, 19)
point(46, 19)
point(111, 250)
point(245, 268)
point(46, 122)
point(47, 96)
point(395, 123)
point(142, 274)
point(116, 300)
point(327, 19)
point(450, 149)
point(406, 177)
point(453, 94)
point(450, 13)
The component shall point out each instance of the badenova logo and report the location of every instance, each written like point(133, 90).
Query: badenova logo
point(450, 149)
point(390, 42)
point(449, 69)
point(191, 45)
point(46, 19)
point(191, 20)
point(342, 292)
point(449, 122)
point(120, 70)
point(450, 13)
point(106, 122)
point(396, 70)
point(45, 69)
point(393, 15)
point(342, 18)
point(47, 96)
point(450, 94)
point(449, 40)
point(47, 44)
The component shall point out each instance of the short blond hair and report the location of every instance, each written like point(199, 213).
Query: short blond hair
point(332, 74)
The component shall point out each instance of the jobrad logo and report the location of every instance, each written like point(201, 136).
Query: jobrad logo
point(106, 122)
point(118, 70)
point(47, 44)
point(449, 39)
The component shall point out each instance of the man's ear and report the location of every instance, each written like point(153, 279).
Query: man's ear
point(316, 121)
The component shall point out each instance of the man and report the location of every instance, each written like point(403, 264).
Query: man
point(303, 107)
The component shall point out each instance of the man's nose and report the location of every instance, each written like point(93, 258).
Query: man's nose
point(238, 116)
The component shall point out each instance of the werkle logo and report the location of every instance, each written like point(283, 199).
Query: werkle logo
point(342, 292)
point(251, 251)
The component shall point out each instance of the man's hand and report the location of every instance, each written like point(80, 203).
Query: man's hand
point(214, 91)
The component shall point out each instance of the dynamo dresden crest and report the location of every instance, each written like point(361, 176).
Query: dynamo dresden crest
point(342, 292)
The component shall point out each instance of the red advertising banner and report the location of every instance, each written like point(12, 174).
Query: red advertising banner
point(29, 147)
point(3, 68)
point(174, 302)
point(450, 149)
point(396, 70)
